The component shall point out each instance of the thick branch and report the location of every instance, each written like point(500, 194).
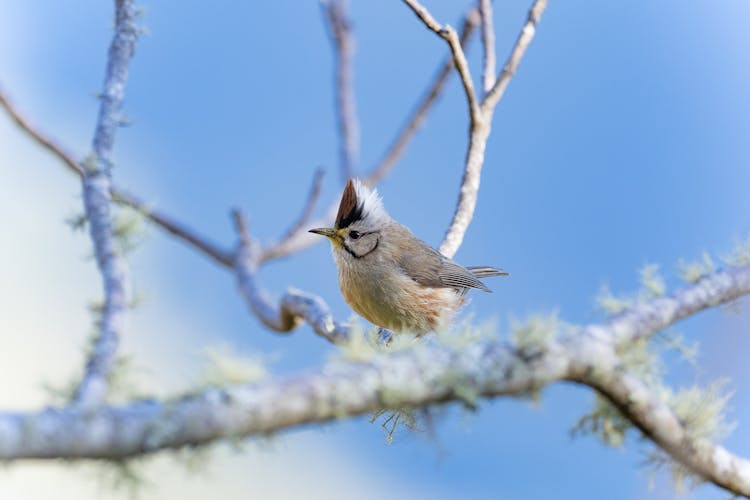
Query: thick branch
point(411, 378)
point(467, 199)
point(645, 319)
point(343, 43)
point(96, 198)
point(293, 308)
point(656, 420)
point(430, 372)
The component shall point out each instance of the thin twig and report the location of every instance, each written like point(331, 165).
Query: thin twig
point(343, 43)
point(120, 196)
point(287, 245)
point(448, 34)
point(419, 115)
point(307, 210)
point(41, 139)
point(301, 240)
point(175, 228)
point(519, 49)
point(479, 133)
point(96, 197)
point(488, 44)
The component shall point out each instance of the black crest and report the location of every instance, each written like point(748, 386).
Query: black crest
point(350, 208)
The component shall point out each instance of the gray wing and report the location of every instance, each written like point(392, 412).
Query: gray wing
point(428, 267)
point(457, 276)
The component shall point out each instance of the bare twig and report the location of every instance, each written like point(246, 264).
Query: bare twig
point(120, 196)
point(337, 20)
point(488, 44)
point(479, 133)
point(307, 210)
point(427, 373)
point(448, 34)
point(301, 240)
point(293, 308)
point(41, 139)
point(176, 228)
point(519, 49)
point(291, 242)
point(418, 116)
point(96, 197)
point(343, 42)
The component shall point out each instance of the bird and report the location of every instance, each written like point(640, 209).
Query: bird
point(389, 276)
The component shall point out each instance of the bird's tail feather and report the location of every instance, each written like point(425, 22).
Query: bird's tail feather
point(486, 271)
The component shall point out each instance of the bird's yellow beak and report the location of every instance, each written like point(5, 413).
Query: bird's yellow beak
point(328, 233)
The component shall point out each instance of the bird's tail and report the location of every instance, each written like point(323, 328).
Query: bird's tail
point(486, 271)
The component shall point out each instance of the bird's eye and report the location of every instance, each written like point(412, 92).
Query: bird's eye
point(354, 235)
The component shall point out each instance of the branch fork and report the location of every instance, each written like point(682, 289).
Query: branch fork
point(480, 113)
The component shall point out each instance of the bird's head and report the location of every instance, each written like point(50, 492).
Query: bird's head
point(359, 221)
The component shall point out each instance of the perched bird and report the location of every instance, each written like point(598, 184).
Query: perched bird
point(388, 275)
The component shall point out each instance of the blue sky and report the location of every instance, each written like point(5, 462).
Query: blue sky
point(621, 141)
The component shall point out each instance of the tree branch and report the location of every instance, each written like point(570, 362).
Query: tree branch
point(519, 49)
point(292, 242)
point(343, 43)
point(120, 196)
point(301, 240)
point(478, 135)
point(657, 421)
point(644, 319)
point(448, 34)
point(419, 115)
point(44, 141)
point(434, 370)
point(298, 241)
point(96, 198)
point(293, 308)
point(176, 228)
point(312, 199)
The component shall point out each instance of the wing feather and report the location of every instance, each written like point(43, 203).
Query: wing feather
point(486, 271)
point(428, 267)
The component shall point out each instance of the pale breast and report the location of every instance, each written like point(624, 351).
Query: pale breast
point(395, 301)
